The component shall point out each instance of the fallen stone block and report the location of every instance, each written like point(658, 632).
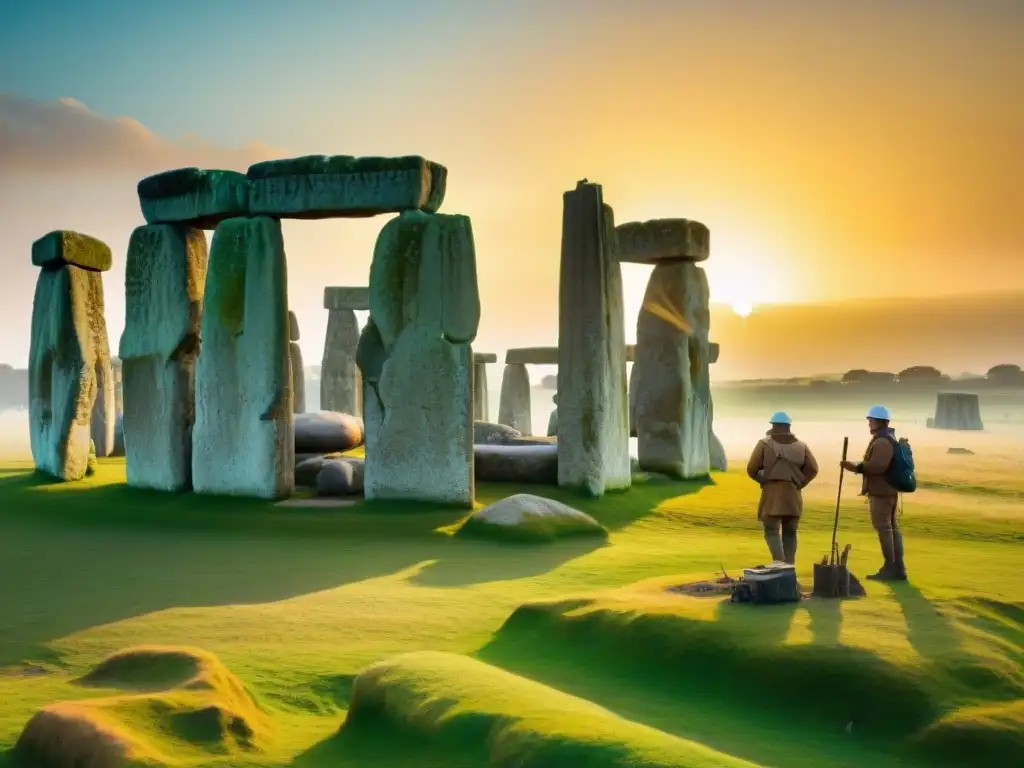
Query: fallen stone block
point(67, 248)
point(347, 297)
point(593, 412)
point(193, 196)
point(650, 242)
point(243, 442)
point(165, 276)
point(517, 463)
point(319, 187)
point(327, 432)
point(525, 517)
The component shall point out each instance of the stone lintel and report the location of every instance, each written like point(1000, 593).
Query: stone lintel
point(650, 242)
point(548, 355)
point(347, 297)
point(482, 358)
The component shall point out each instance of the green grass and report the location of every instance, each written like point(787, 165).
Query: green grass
point(296, 603)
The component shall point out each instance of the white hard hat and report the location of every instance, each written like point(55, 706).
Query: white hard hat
point(780, 418)
point(879, 412)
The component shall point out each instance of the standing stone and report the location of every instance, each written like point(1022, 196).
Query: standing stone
point(69, 355)
point(632, 401)
point(341, 386)
point(671, 375)
point(298, 369)
point(164, 280)
point(553, 418)
point(593, 417)
point(514, 407)
point(243, 440)
point(958, 410)
point(481, 404)
point(716, 451)
point(416, 360)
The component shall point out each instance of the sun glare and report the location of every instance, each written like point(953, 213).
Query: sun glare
point(742, 308)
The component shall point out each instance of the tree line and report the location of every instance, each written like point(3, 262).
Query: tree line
point(1004, 375)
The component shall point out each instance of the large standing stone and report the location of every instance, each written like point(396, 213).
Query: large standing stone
point(341, 386)
point(297, 366)
point(671, 374)
point(514, 407)
point(319, 187)
point(593, 418)
point(193, 196)
point(481, 404)
point(243, 440)
point(416, 360)
point(165, 276)
point(69, 355)
point(958, 410)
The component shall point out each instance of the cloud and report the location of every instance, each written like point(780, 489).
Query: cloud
point(62, 137)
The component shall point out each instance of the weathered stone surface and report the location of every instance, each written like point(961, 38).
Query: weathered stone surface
point(341, 384)
point(165, 276)
point(958, 410)
point(298, 377)
point(293, 326)
point(483, 358)
point(673, 390)
point(340, 477)
point(593, 418)
point(308, 466)
point(531, 518)
point(514, 407)
point(486, 433)
point(651, 242)
point(536, 463)
point(69, 361)
point(481, 399)
point(318, 186)
point(243, 439)
point(327, 432)
point(416, 360)
point(631, 387)
point(64, 247)
point(192, 196)
point(347, 297)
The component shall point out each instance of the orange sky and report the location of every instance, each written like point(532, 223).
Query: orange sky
point(835, 149)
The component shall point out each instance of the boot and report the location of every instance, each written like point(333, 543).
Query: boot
point(899, 570)
point(886, 572)
point(789, 546)
point(774, 541)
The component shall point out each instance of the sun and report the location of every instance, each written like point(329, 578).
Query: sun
point(742, 308)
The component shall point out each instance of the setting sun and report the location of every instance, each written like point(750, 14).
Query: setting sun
point(742, 308)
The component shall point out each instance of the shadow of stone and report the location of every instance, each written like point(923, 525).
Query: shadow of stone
point(826, 620)
point(773, 621)
point(932, 635)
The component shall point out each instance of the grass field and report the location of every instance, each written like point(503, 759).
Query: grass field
point(269, 628)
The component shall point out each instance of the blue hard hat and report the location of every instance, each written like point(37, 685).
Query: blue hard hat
point(879, 412)
point(780, 418)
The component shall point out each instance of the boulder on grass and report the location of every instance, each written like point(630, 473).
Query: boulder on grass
point(340, 477)
point(516, 463)
point(488, 433)
point(526, 517)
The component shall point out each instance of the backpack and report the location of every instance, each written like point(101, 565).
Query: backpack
point(900, 474)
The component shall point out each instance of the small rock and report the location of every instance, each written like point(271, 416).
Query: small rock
point(962, 451)
point(340, 477)
point(532, 517)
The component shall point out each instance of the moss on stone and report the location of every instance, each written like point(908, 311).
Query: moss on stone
point(335, 164)
point(185, 181)
point(61, 247)
point(225, 281)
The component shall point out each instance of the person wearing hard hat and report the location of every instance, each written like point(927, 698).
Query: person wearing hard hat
point(783, 466)
point(882, 497)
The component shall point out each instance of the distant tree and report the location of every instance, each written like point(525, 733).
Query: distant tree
point(549, 382)
point(919, 374)
point(861, 376)
point(1006, 374)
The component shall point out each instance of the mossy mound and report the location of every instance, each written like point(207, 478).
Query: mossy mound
point(988, 735)
point(528, 518)
point(509, 720)
point(174, 702)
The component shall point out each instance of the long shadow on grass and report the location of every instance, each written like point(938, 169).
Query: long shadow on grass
point(71, 559)
point(368, 746)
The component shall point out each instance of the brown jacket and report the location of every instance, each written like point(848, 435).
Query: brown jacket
point(877, 459)
point(783, 465)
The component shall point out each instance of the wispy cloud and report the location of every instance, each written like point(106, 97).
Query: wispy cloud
point(57, 138)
